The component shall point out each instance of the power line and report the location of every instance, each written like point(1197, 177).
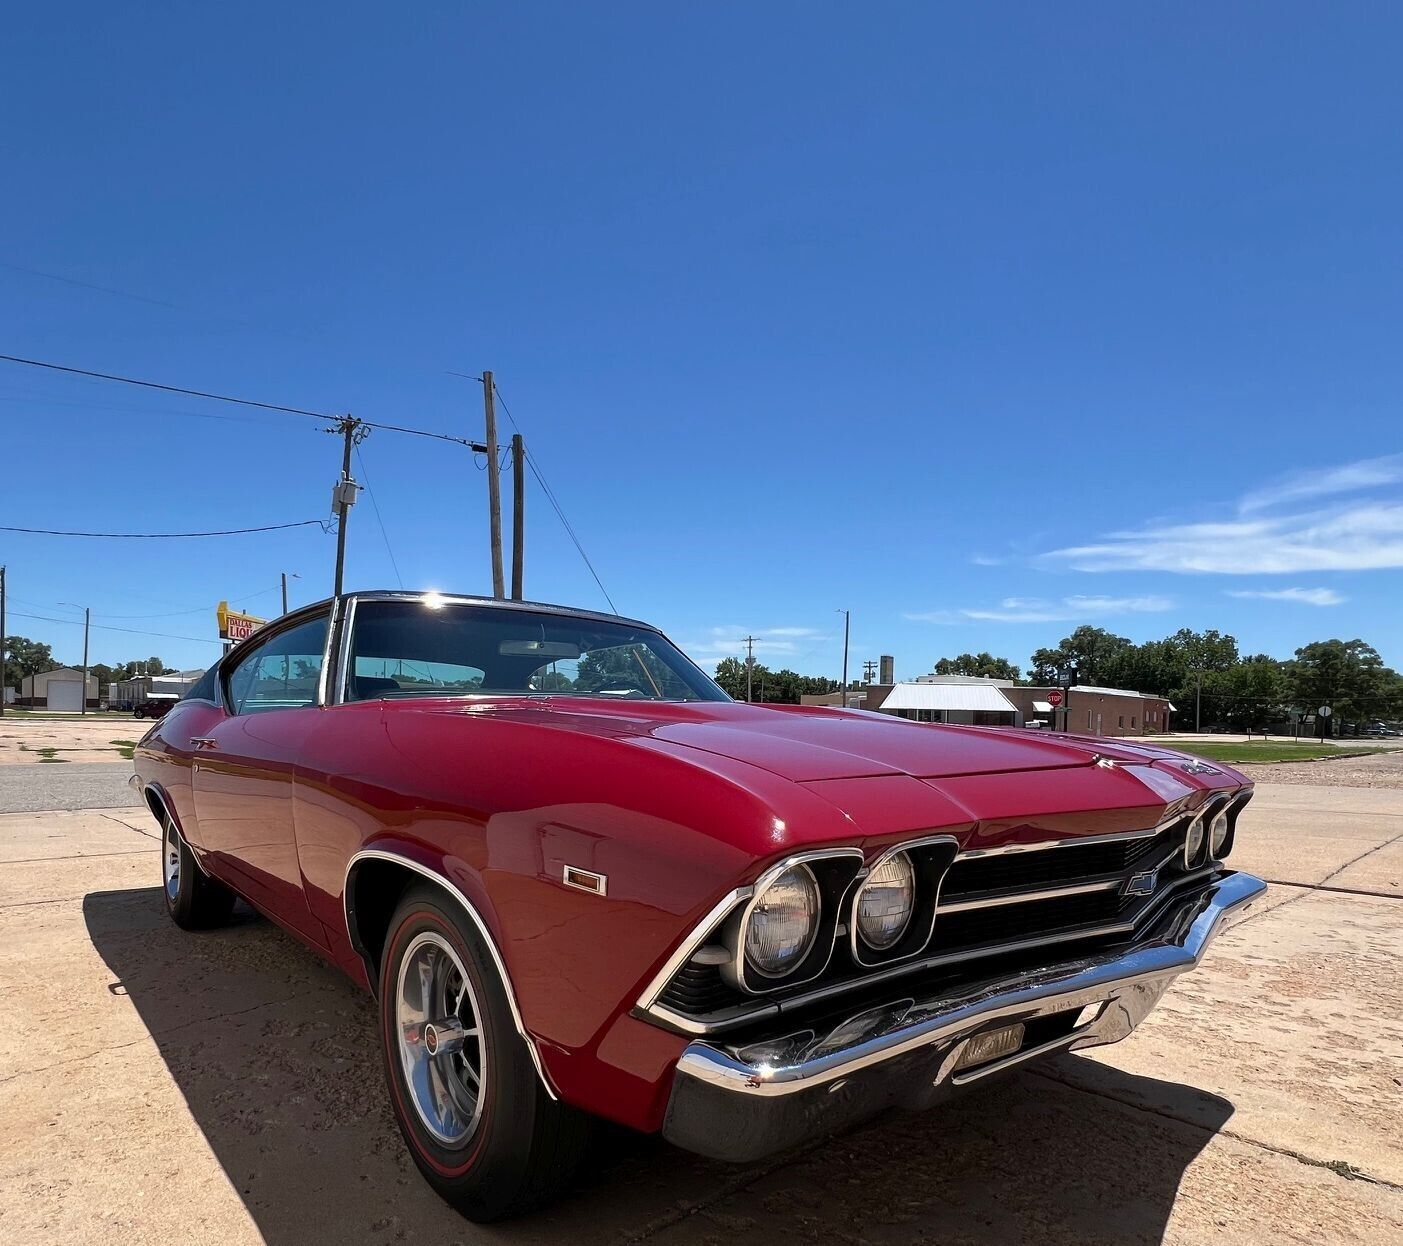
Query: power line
point(107, 627)
point(169, 614)
point(166, 536)
point(365, 476)
point(551, 498)
point(242, 402)
point(169, 389)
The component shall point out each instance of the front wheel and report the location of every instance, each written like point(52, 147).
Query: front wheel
point(479, 1123)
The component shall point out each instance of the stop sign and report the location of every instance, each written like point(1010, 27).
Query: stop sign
point(1054, 698)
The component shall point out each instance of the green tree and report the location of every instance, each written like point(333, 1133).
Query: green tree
point(1098, 655)
point(1347, 675)
point(984, 665)
point(26, 657)
point(154, 666)
point(1255, 692)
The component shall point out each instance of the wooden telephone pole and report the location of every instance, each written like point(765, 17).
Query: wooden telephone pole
point(494, 484)
point(518, 513)
point(343, 496)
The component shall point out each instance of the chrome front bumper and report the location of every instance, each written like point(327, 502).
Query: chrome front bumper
point(744, 1102)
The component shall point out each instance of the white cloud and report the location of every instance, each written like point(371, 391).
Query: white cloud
point(1041, 610)
point(1306, 596)
point(729, 642)
point(1367, 536)
point(1268, 536)
point(1326, 482)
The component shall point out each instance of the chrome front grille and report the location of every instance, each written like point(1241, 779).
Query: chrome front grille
point(990, 904)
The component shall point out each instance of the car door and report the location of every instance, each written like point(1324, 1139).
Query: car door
point(244, 769)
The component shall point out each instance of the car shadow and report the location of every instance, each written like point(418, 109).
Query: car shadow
point(275, 1054)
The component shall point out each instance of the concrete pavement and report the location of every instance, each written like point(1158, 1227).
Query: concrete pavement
point(227, 1086)
point(65, 785)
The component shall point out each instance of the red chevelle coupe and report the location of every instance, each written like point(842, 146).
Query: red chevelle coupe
point(582, 881)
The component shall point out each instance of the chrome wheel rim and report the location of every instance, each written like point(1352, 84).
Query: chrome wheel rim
point(170, 861)
point(439, 1032)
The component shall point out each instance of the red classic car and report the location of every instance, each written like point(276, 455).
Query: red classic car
point(582, 882)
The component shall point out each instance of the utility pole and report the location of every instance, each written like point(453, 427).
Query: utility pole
point(494, 484)
point(518, 512)
point(87, 618)
point(749, 663)
point(284, 592)
point(3, 684)
point(869, 669)
point(847, 620)
point(1198, 701)
point(343, 496)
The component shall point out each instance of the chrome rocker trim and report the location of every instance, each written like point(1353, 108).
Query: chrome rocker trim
point(747, 1102)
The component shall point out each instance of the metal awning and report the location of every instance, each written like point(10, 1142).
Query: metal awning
point(1043, 707)
point(966, 697)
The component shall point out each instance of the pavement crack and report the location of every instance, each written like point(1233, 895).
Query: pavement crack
point(78, 856)
point(1342, 891)
point(735, 1185)
point(129, 826)
point(1341, 1168)
point(149, 1036)
point(1306, 888)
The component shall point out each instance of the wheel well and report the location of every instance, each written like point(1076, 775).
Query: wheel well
point(373, 892)
point(156, 804)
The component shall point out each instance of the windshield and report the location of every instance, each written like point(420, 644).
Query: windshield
point(442, 648)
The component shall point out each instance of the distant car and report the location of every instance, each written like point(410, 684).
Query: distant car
point(157, 705)
point(580, 880)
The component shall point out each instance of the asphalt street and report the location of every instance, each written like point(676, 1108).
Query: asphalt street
point(65, 785)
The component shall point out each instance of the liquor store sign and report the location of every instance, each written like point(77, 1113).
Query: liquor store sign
point(234, 626)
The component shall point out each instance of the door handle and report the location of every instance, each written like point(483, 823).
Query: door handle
point(204, 741)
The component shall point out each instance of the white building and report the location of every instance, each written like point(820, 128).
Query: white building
point(58, 690)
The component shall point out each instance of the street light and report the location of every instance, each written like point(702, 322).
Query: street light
point(87, 619)
point(295, 576)
point(847, 620)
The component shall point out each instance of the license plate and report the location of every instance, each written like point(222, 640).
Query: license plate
point(991, 1045)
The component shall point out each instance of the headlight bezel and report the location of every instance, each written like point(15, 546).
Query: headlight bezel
point(834, 870)
point(1195, 837)
point(930, 857)
point(890, 859)
point(806, 877)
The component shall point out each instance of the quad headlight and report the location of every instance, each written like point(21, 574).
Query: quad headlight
point(783, 923)
point(885, 902)
point(1218, 833)
point(1193, 844)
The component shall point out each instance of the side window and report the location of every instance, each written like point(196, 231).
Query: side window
point(206, 688)
point(282, 673)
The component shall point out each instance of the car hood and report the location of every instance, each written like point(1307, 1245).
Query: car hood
point(804, 744)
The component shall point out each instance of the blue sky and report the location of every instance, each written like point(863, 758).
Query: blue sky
point(981, 321)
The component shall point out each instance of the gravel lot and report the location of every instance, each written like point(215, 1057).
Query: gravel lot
point(81, 738)
point(227, 1086)
point(1382, 771)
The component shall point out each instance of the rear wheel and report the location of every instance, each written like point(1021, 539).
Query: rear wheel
point(479, 1124)
point(194, 900)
